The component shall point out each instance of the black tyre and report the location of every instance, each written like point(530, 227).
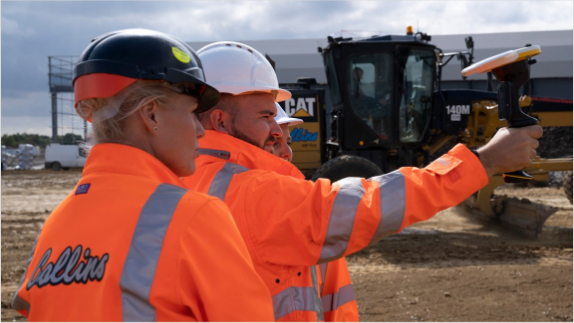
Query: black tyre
point(56, 166)
point(347, 166)
point(567, 185)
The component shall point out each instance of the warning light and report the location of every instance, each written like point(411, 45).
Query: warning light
point(361, 142)
point(409, 30)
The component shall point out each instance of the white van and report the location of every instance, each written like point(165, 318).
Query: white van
point(64, 156)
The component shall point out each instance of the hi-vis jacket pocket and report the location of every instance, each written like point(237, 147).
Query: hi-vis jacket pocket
point(444, 164)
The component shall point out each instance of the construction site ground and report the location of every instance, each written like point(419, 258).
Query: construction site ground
point(453, 267)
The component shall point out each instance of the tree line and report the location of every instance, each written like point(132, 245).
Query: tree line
point(38, 140)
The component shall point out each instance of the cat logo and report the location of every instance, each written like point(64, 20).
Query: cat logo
point(300, 107)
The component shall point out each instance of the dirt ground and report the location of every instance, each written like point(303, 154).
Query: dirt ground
point(453, 267)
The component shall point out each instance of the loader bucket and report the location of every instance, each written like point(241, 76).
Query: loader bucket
point(519, 215)
point(523, 216)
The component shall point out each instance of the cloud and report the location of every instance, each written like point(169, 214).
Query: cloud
point(12, 28)
point(34, 30)
point(28, 124)
point(24, 111)
point(25, 103)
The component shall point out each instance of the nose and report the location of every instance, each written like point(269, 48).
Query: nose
point(286, 153)
point(275, 129)
point(199, 131)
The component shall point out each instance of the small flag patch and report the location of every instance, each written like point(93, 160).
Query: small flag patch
point(82, 189)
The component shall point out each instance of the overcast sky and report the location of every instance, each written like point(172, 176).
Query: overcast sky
point(32, 31)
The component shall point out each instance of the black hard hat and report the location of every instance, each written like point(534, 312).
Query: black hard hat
point(117, 59)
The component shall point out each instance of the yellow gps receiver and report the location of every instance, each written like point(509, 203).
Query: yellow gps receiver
point(511, 69)
point(493, 62)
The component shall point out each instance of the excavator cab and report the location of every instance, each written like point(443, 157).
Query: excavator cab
point(382, 87)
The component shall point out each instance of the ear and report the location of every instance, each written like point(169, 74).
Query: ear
point(147, 114)
point(220, 121)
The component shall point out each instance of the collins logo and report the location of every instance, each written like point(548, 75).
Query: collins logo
point(69, 268)
point(302, 135)
point(300, 107)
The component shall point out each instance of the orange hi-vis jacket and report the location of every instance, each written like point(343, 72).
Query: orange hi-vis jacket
point(129, 243)
point(289, 224)
point(336, 292)
point(335, 289)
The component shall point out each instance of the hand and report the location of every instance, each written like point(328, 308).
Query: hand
point(511, 149)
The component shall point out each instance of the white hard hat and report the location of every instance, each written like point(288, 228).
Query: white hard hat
point(236, 68)
point(282, 117)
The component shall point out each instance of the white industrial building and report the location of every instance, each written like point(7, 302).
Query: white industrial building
point(551, 75)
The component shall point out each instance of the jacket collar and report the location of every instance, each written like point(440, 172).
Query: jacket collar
point(217, 146)
point(128, 160)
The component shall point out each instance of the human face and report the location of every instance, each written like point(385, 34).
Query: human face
point(282, 147)
point(254, 122)
point(176, 139)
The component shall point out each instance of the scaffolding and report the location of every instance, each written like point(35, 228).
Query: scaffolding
point(64, 118)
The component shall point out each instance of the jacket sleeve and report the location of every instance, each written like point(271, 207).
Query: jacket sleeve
point(298, 222)
point(216, 274)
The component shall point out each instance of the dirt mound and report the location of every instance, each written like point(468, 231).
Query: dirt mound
point(556, 142)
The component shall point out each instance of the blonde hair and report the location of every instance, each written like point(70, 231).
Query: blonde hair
point(108, 115)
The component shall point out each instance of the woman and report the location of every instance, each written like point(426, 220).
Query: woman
point(129, 243)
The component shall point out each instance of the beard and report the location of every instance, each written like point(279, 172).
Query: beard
point(243, 136)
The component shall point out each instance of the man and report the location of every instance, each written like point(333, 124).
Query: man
point(282, 146)
point(336, 292)
point(289, 224)
point(357, 77)
point(371, 110)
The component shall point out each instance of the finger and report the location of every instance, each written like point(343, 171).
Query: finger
point(534, 143)
point(534, 131)
point(532, 153)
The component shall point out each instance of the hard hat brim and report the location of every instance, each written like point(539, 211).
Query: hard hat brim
point(290, 121)
point(103, 85)
point(99, 85)
point(208, 98)
point(281, 96)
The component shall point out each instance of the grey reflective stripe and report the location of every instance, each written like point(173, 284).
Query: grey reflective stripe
point(221, 181)
point(323, 268)
point(393, 198)
point(141, 262)
point(293, 299)
point(17, 303)
point(317, 300)
point(332, 301)
point(215, 153)
point(342, 218)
